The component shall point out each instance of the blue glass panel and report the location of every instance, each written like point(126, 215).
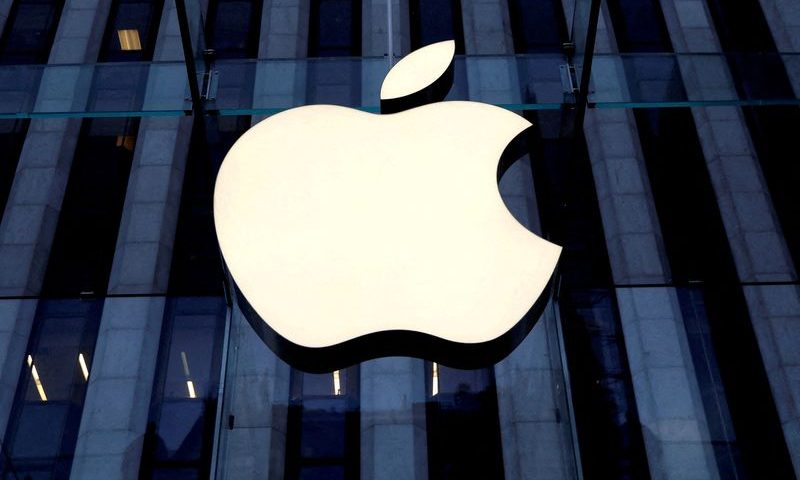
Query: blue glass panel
point(335, 28)
point(29, 31)
point(180, 431)
point(83, 247)
point(436, 20)
point(41, 435)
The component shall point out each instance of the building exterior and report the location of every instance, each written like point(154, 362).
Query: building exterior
point(671, 348)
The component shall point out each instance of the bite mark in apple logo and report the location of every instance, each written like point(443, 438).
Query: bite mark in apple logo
point(351, 235)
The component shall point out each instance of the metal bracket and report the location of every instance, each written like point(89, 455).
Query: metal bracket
point(569, 78)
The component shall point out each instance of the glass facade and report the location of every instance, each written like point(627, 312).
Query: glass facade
point(662, 158)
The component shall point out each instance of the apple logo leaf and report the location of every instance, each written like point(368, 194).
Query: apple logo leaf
point(350, 235)
point(424, 76)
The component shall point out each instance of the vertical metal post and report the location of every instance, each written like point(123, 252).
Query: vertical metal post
point(191, 68)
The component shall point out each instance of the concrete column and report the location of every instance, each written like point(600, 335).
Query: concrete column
point(665, 386)
point(374, 25)
point(256, 399)
point(31, 215)
point(284, 35)
point(783, 18)
point(759, 249)
point(119, 392)
point(393, 438)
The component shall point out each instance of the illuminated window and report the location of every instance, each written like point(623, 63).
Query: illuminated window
point(129, 39)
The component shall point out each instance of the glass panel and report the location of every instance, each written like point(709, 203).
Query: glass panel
point(131, 31)
point(773, 131)
point(538, 27)
point(323, 425)
point(606, 417)
point(29, 31)
point(462, 423)
point(233, 27)
point(12, 137)
point(434, 21)
point(698, 252)
point(43, 429)
point(85, 239)
point(196, 262)
point(180, 432)
point(335, 28)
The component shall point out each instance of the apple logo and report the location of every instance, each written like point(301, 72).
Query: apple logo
point(351, 235)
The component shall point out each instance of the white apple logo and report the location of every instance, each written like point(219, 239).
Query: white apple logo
point(351, 235)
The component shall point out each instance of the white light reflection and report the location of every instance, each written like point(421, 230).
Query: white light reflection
point(84, 368)
point(36, 380)
point(435, 380)
point(337, 385)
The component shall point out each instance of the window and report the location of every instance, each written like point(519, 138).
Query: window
point(12, 137)
point(233, 27)
point(43, 427)
point(29, 31)
point(434, 21)
point(85, 239)
point(131, 31)
point(463, 425)
point(606, 416)
point(773, 130)
point(180, 432)
point(323, 426)
point(538, 26)
point(196, 263)
point(335, 28)
point(639, 26)
point(698, 251)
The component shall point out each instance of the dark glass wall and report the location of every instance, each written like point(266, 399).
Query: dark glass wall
point(538, 26)
point(44, 422)
point(334, 28)
point(749, 440)
point(180, 432)
point(462, 423)
point(29, 31)
point(83, 247)
point(606, 418)
point(434, 21)
point(12, 138)
point(323, 426)
point(131, 30)
point(233, 27)
point(196, 263)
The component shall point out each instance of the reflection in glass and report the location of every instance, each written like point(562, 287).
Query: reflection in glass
point(131, 31)
point(29, 31)
point(12, 137)
point(434, 21)
point(462, 423)
point(697, 247)
point(335, 28)
point(43, 427)
point(233, 27)
point(85, 239)
point(323, 425)
point(196, 263)
point(538, 27)
point(606, 417)
point(180, 431)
